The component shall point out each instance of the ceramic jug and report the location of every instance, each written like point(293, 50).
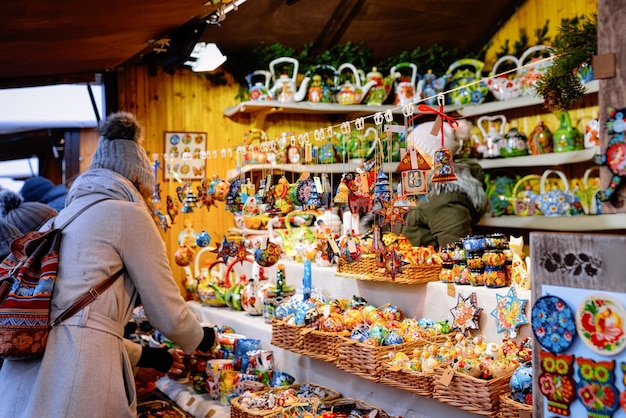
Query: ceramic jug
point(567, 137)
point(493, 137)
point(540, 140)
point(506, 86)
point(515, 144)
point(406, 87)
point(379, 92)
point(323, 83)
point(259, 85)
point(285, 89)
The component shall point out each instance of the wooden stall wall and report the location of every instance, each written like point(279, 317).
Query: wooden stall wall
point(187, 102)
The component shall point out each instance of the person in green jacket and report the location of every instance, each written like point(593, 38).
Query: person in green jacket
point(450, 210)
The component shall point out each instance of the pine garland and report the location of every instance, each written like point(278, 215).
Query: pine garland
point(574, 46)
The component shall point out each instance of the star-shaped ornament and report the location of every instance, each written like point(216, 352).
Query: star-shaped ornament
point(391, 213)
point(225, 250)
point(466, 313)
point(393, 263)
point(510, 312)
point(206, 199)
point(240, 252)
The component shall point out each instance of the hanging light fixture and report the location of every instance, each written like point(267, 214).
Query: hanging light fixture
point(207, 57)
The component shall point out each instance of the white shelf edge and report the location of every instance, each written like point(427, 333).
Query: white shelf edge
point(553, 158)
point(580, 223)
point(519, 102)
point(335, 168)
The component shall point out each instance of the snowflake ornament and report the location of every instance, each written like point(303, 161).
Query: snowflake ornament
point(510, 312)
point(466, 313)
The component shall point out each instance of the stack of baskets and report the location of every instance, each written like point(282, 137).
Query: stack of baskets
point(321, 345)
point(287, 336)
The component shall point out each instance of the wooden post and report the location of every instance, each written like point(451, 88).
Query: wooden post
point(611, 22)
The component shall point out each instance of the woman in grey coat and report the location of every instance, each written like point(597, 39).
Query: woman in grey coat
point(86, 370)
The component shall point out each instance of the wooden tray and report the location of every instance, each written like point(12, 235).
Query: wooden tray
point(366, 269)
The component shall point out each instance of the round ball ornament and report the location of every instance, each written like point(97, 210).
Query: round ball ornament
point(350, 247)
point(203, 239)
point(183, 256)
point(332, 323)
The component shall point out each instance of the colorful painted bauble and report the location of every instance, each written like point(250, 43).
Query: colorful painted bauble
point(521, 384)
point(332, 323)
point(183, 256)
point(392, 313)
point(394, 338)
point(203, 239)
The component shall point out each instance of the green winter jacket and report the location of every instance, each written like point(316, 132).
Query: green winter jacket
point(452, 209)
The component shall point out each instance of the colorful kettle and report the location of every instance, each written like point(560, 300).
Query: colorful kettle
point(284, 88)
point(406, 87)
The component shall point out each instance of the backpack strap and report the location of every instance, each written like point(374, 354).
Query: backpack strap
point(87, 297)
point(84, 208)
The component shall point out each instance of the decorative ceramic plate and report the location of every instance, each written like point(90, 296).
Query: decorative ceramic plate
point(600, 320)
point(554, 323)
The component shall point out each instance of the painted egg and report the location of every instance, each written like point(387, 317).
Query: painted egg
point(284, 310)
point(372, 314)
point(203, 239)
point(425, 323)
point(357, 301)
point(184, 256)
point(392, 313)
point(378, 332)
point(394, 338)
point(332, 323)
point(352, 318)
point(360, 333)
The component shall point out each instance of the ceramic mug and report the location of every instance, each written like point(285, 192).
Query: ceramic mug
point(261, 359)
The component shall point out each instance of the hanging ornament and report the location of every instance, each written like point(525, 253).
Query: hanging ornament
point(443, 171)
point(190, 202)
point(304, 189)
point(393, 262)
point(466, 313)
point(267, 254)
point(350, 247)
point(172, 208)
point(239, 251)
point(412, 160)
point(378, 246)
point(391, 213)
point(183, 256)
point(359, 202)
point(382, 189)
point(510, 312)
point(156, 194)
point(225, 250)
point(161, 220)
point(203, 239)
point(221, 189)
point(206, 200)
point(341, 197)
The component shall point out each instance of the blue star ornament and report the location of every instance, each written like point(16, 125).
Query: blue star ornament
point(510, 312)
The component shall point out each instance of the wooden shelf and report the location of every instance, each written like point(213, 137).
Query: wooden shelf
point(337, 168)
point(609, 222)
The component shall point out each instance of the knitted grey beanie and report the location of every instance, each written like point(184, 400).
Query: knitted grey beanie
point(7, 234)
point(24, 216)
point(119, 149)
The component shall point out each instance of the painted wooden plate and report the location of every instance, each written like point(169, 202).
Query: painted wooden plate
point(600, 324)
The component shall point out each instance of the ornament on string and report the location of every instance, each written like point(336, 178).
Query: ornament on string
point(161, 220)
point(304, 189)
point(360, 185)
point(206, 199)
point(510, 312)
point(393, 262)
point(156, 194)
point(378, 246)
point(391, 213)
point(331, 250)
point(233, 198)
point(382, 189)
point(350, 248)
point(412, 168)
point(190, 202)
point(240, 252)
point(225, 250)
point(341, 197)
point(172, 208)
point(203, 239)
point(267, 254)
point(466, 313)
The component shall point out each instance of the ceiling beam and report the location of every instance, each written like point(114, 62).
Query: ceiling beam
point(336, 25)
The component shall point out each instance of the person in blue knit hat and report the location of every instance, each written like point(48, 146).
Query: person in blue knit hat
point(42, 189)
point(24, 216)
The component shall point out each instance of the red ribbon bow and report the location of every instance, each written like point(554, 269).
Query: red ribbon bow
point(441, 117)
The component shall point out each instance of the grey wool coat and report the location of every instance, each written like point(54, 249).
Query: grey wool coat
point(86, 370)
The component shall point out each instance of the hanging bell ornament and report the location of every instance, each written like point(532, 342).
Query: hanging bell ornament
point(382, 189)
point(342, 194)
point(443, 170)
point(190, 202)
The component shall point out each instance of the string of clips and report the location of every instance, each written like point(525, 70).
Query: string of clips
point(322, 134)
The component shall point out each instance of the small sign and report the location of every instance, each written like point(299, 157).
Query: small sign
point(414, 182)
point(451, 289)
point(446, 377)
point(190, 401)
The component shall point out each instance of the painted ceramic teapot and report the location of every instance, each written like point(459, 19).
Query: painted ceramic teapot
point(506, 86)
point(285, 89)
point(431, 86)
point(323, 83)
point(555, 199)
point(466, 83)
point(406, 87)
point(259, 85)
point(493, 137)
point(532, 68)
point(352, 93)
point(515, 144)
point(379, 92)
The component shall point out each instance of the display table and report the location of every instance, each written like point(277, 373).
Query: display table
point(431, 300)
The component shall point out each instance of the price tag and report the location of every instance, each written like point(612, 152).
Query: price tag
point(351, 246)
point(451, 289)
point(413, 155)
point(334, 246)
point(326, 311)
point(365, 186)
point(318, 184)
point(525, 414)
point(446, 377)
point(436, 126)
point(210, 413)
point(191, 401)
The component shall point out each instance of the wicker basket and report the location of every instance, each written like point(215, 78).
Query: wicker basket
point(239, 411)
point(286, 336)
point(338, 403)
point(366, 269)
point(481, 397)
point(321, 345)
point(331, 394)
point(366, 361)
point(510, 408)
point(419, 383)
